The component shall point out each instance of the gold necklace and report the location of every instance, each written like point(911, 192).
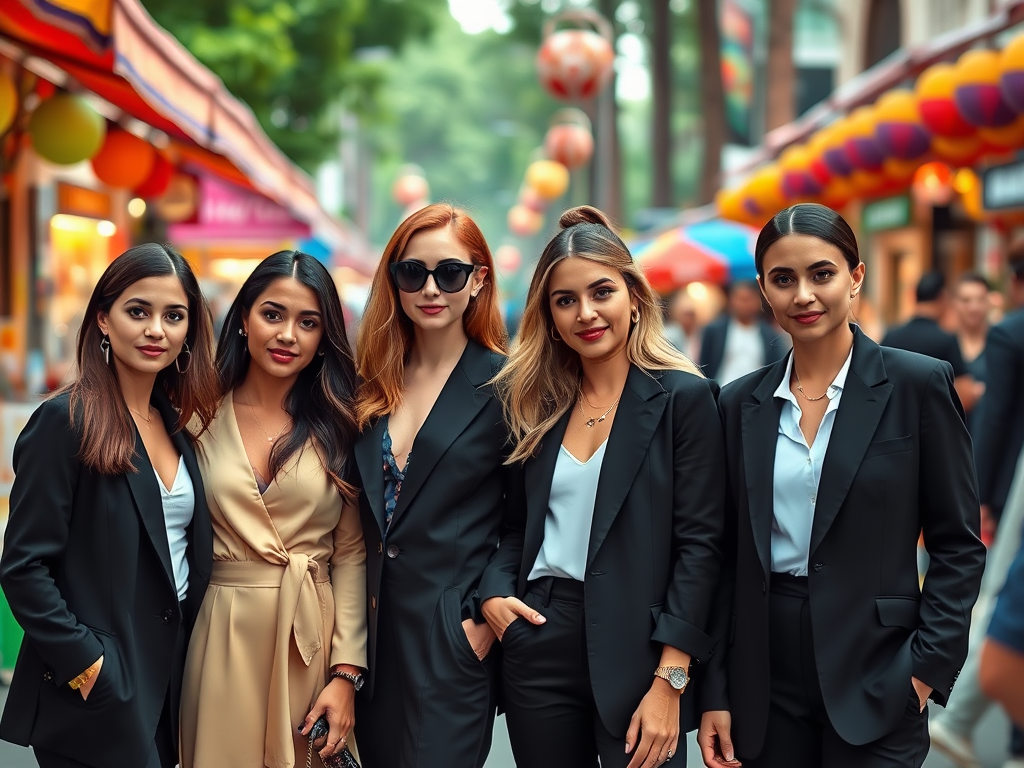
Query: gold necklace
point(800, 389)
point(270, 438)
point(148, 421)
point(592, 421)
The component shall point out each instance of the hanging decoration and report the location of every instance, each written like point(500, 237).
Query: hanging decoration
point(1011, 78)
point(65, 129)
point(798, 181)
point(508, 259)
point(180, 200)
point(8, 102)
point(978, 94)
point(124, 161)
point(576, 64)
point(569, 140)
point(898, 127)
point(410, 187)
point(547, 178)
point(862, 148)
point(158, 180)
point(935, 91)
point(523, 222)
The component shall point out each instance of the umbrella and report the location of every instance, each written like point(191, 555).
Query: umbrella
point(713, 251)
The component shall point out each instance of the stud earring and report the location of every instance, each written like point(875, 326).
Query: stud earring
point(105, 348)
point(241, 332)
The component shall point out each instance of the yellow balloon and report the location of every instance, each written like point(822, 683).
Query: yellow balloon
point(8, 102)
point(548, 178)
point(65, 129)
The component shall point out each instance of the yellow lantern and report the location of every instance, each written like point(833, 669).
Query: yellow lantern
point(548, 178)
point(729, 203)
point(765, 189)
point(65, 129)
point(8, 102)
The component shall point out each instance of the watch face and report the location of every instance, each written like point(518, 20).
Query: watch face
point(677, 678)
point(358, 682)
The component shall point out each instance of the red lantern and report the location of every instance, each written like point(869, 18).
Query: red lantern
point(935, 100)
point(978, 94)
point(575, 64)
point(570, 145)
point(818, 167)
point(409, 189)
point(898, 126)
point(159, 178)
point(1011, 81)
point(862, 148)
point(124, 161)
point(524, 222)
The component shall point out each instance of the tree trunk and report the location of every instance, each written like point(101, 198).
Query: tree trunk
point(661, 105)
point(712, 99)
point(780, 75)
point(606, 176)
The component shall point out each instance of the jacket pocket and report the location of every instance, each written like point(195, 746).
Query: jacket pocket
point(451, 609)
point(899, 611)
point(884, 447)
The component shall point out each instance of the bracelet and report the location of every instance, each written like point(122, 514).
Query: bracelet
point(356, 680)
point(83, 678)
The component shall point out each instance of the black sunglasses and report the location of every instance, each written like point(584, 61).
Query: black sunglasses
point(451, 277)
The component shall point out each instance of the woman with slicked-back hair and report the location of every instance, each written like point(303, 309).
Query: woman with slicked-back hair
point(430, 461)
point(281, 634)
point(603, 583)
point(108, 548)
point(839, 457)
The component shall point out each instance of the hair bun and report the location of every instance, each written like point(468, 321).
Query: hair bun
point(584, 214)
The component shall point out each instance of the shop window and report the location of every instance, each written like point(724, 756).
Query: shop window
point(884, 31)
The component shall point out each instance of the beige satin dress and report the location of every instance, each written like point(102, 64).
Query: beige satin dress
point(287, 600)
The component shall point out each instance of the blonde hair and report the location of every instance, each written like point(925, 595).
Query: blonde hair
point(541, 379)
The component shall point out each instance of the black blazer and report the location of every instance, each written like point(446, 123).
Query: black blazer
point(655, 542)
point(712, 345)
point(86, 569)
point(898, 462)
point(446, 524)
point(1001, 434)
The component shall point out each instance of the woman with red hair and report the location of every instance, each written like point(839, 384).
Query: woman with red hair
point(430, 462)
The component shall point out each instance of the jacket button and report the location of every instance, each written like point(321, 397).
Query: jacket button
point(818, 566)
point(373, 602)
point(168, 616)
point(48, 677)
point(392, 551)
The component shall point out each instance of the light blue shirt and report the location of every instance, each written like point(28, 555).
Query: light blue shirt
point(563, 552)
point(797, 474)
point(179, 502)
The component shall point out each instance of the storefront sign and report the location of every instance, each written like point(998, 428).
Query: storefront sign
point(229, 212)
point(79, 201)
point(1003, 187)
point(887, 213)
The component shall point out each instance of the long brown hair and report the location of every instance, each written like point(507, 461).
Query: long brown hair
point(386, 332)
point(541, 379)
point(107, 430)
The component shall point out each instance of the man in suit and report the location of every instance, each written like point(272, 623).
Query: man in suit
point(739, 341)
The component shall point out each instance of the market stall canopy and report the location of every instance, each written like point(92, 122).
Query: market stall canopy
point(713, 251)
point(115, 49)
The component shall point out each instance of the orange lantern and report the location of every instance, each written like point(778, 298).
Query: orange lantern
point(862, 148)
point(729, 203)
point(65, 129)
point(978, 95)
point(933, 182)
point(524, 222)
point(898, 127)
point(576, 64)
point(570, 145)
point(765, 191)
point(1011, 80)
point(158, 180)
point(8, 102)
point(958, 151)
point(900, 170)
point(547, 178)
point(124, 161)
point(838, 193)
point(409, 189)
point(1007, 137)
point(798, 182)
point(935, 91)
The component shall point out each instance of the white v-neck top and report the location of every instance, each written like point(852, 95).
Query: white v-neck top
point(179, 503)
point(563, 552)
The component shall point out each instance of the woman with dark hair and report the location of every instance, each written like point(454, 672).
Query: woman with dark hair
point(838, 456)
point(603, 583)
point(281, 635)
point(430, 460)
point(107, 551)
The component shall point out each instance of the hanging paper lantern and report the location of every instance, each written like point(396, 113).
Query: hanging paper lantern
point(124, 161)
point(837, 193)
point(978, 94)
point(524, 222)
point(179, 202)
point(935, 100)
point(900, 170)
point(570, 145)
point(862, 148)
point(933, 182)
point(729, 203)
point(898, 126)
point(816, 150)
point(1011, 79)
point(529, 198)
point(575, 64)
point(1007, 137)
point(507, 259)
point(548, 178)
point(765, 191)
point(869, 183)
point(8, 102)
point(834, 149)
point(409, 188)
point(158, 180)
point(798, 183)
point(958, 151)
point(65, 129)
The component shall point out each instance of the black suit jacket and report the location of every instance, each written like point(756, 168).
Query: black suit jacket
point(1001, 434)
point(898, 462)
point(86, 569)
point(712, 346)
point(655, 542)
point(446, 524)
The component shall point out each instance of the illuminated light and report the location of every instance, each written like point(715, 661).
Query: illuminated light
point(136, 207)
point(964, 181)
point(105, 228)
point(697, 291)
point(65, 222)
point(233, 269)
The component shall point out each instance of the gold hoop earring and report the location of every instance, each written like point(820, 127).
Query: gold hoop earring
point(188, 354)
point(635, 315)
point(554, 334)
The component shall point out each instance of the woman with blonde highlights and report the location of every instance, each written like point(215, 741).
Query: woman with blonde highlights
point(603, 583)
point(430, 458)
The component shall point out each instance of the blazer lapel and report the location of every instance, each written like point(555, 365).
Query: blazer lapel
point(146, 493)
point(863, 400)
point(370, 461)
point(538, 474)
point(638, 416)
point(760, 428)
point(461, 399)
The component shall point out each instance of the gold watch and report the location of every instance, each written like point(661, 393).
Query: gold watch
point(674, 676)
point(84, 678)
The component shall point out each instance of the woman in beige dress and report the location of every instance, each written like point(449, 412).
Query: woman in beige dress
point(281, 635)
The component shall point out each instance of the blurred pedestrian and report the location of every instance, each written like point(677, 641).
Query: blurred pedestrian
point(740, 340)
point(972, 304)
point(1002, 657)
point(601, 588)
point(281, 635)
point(683, 327)
point(431, 461)
point(838, 457)
point(107, 551)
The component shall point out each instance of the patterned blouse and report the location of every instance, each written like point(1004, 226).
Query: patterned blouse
point(393, 476)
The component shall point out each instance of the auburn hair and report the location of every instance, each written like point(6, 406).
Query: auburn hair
point(386, 332)
point(541, 379)
point(107, 430)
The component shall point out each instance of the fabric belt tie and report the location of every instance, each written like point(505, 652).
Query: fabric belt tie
point(299, 616)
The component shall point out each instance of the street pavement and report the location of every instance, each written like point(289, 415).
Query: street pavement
point(990, 741)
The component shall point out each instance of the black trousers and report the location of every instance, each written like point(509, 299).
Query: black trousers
point(549, 704)
point(799, 733)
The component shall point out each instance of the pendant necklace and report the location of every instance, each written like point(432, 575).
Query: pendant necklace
point(592, 421)
point(148, 421)
point(800, 389)
point(270, 438)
